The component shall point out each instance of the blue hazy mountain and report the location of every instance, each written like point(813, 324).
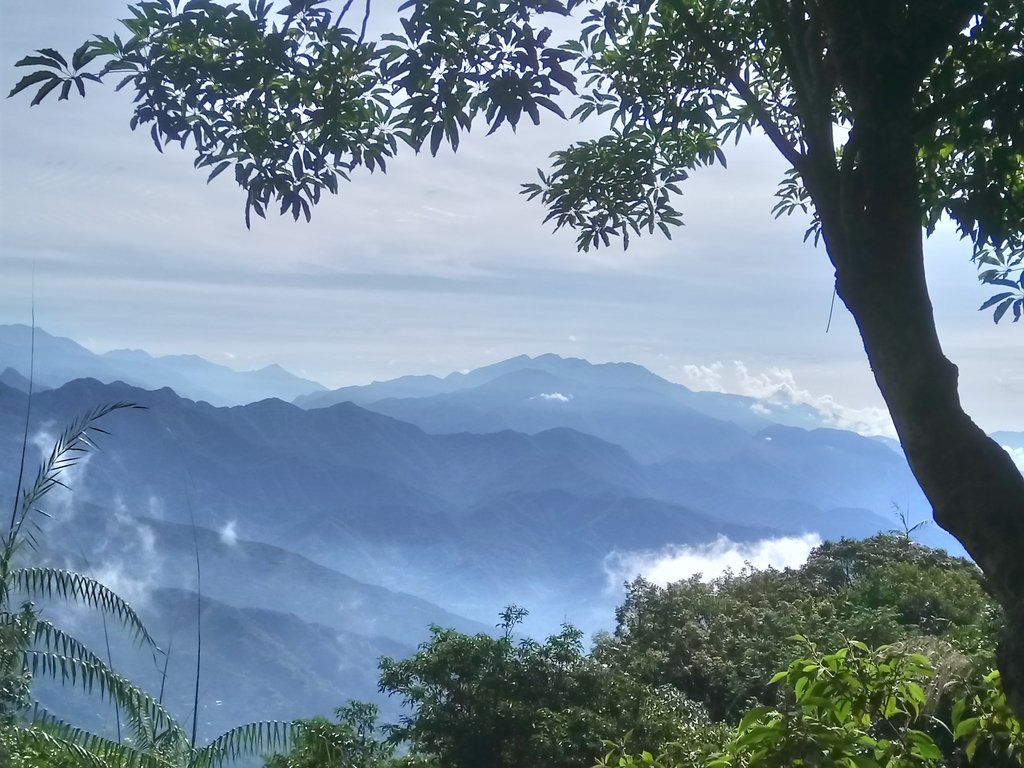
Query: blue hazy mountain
point(622, 402)
point(258, 663)
point(59, 360)
point(727, 450)
point(1010, 439)
point(283, 636)
point(356, 527)
point(470, 520)
point(15, 380)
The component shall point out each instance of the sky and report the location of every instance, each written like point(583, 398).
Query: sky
point(438, 266)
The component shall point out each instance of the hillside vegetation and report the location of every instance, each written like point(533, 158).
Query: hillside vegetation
point(877, 652)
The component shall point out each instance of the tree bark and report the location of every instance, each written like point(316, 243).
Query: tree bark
point(874, 236)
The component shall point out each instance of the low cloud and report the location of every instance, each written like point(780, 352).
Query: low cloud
point(706, 378)
point(135, 587)
point(229, 534)
point(709, 560)
point(777, 387)
point(557, 397)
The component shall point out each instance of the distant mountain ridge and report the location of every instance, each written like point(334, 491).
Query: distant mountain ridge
point(59, 360)
point(350, 526)
point(428, 512)
point(527, 377)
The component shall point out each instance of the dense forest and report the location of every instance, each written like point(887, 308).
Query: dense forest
point(876, 652)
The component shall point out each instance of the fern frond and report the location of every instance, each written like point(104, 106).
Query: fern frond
point(47, 582)
point(51, 638)
point(250, 739)
point(34, 738)
point(108, 684)
point(147, 737)
point(71, 446)
point(53, 736)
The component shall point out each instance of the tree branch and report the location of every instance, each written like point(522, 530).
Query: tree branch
point(732, 75)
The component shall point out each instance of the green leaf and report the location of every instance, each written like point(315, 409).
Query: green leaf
point(45, 91)
point(1001, 310)
point(964, 727)
point(43, 61)
point(35, 77)
point(53, 54)
point(752, 716)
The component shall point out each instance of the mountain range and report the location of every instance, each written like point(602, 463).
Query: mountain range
point(58, 360)
point(336, 529)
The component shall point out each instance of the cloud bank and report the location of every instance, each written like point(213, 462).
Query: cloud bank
point(708, 560)
point(778, 388)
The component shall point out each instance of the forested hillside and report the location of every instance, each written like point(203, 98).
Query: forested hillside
point(875, 653)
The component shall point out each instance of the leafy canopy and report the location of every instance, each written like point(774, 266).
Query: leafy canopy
point(501, 701)
point(719, 642)
point(294, 99)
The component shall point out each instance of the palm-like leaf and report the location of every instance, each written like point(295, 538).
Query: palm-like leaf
point(250, 739)
point(69, 585)
point(40, 647)
point(99, 678)
point(51, 638)
point(54, 736)
point(67, 451)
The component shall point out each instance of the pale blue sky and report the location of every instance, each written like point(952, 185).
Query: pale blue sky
point(438, 266)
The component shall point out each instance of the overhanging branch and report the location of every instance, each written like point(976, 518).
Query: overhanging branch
point(732, 75)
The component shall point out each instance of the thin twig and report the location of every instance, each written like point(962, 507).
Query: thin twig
point(366, 19)
point(199, 623)
point(831, 307)
point(28, 410)
point(106, 640)
point(344, 10)
point(163, 675)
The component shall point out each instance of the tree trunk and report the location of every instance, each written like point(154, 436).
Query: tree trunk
point(875, 241)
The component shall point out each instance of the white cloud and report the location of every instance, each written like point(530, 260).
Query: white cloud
point(706, 378)
point(777, 388)
point(132, 586)
point(1017, 454)
point(709, 560)
point(229, 533)
point(557, 397)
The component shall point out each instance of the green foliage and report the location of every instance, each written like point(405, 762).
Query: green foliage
point(719, 642)
point(481, 700)
point(295, 102)
point(875, 708)
point(986, 727)
point(855, 708)
point(861, 708)
point(351, 742)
